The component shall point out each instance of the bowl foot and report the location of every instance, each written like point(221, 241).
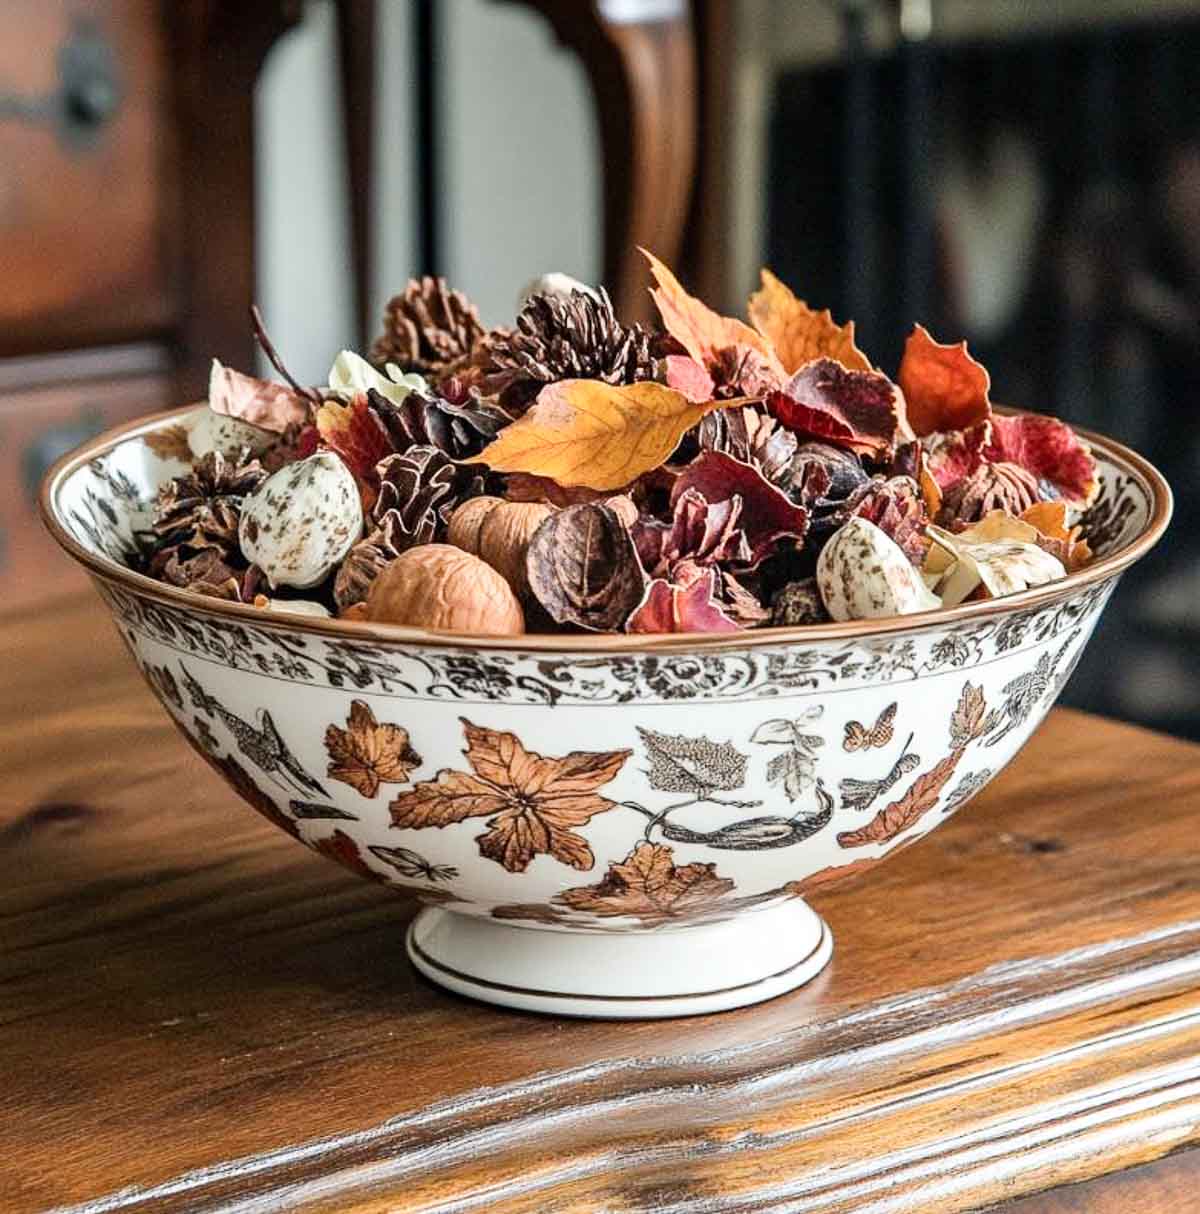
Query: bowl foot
point(685, 971)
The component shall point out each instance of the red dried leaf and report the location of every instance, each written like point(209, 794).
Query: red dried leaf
point(957, 453)
point(686, 375)
point(860, 410)
point(355, 433)
point(259, 402)
point(672, 607)
point(702, 531)
point(1049, 449)
point(766, 515)
point(944, 387)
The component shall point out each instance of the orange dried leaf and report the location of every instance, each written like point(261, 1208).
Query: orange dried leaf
point(702, 332)
point(1049, 519)
point(943, 386)
point(798, 333)
point(584, 432)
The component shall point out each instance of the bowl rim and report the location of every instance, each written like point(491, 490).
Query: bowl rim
point(335, 629)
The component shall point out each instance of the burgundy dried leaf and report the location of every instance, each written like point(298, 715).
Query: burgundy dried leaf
point(691, 606)
point(583, 568)
point(702, 531)
point(861, 410)
point(753, 437)
point(258, 402)
point(767, 514)
point(956, 453)
point(1051, 451)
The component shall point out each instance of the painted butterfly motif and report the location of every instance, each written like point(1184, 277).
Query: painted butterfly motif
point(859, 737)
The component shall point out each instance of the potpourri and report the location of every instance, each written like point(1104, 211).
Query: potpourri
point(571, 473)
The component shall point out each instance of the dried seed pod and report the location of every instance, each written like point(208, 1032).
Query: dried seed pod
point(466, 522)
point(998, 566)
point(583, 568)
point(504, 538)
point(864, 575)
point(293, 606)
point(301, 521)
point(439, 586)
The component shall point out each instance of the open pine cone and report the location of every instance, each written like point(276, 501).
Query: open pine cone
point(428, 327)
point(558, 337)
point(196, 519)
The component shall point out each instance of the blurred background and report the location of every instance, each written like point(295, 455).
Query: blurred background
point(1024, 173)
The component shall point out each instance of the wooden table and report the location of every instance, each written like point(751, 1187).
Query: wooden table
point(200, 1015)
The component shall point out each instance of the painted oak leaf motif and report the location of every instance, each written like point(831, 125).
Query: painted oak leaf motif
point(648, 885)
point(696, 766)
point(531, 802)
point(799, 333)
point(602, 436)
point(366, 754)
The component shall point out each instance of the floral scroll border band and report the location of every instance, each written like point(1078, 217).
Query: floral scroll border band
point(489, 677)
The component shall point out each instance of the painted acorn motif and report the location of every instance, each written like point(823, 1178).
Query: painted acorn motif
point(862, 574)
point(301, 521)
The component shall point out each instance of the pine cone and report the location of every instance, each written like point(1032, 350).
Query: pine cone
point(427, 327)
point(559, 338)
point(459, 427)
point(1000, 486)
point(365, 561)
point(196, 520)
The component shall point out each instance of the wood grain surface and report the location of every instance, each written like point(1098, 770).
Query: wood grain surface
point(197, 1014)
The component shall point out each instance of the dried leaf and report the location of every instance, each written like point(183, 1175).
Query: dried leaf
point(648, 885)
point(366, 754)
point(700, 531)
point(1049, 520)
point(584, 432)
point(686, 375)
point(355, 433)
point(531, 802)
point(1049, 449)
point(944, 387)
point(954, 454)
point(583, 568)
point(799, 334)
point(692, 765)
point(685, 606)
point(861, 410)
point(897, 507)
point(701, 331)
point(259, 402)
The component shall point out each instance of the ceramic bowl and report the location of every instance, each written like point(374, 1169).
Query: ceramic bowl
point(598, 825)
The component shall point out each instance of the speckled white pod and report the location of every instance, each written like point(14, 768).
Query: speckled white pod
point(301, 521)
point(228, 435)
point(1000, 566)
point(863, 574)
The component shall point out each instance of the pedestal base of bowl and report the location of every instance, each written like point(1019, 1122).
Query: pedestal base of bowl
point(682, 971)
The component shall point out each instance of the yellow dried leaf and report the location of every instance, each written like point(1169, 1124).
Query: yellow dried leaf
point(799, 333)
point(584, 432)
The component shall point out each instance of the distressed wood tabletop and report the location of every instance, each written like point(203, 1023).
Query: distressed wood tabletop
point(197, 1014)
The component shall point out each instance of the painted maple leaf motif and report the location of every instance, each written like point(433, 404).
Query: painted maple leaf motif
point(366, 754)
point(696, 766)
point(648, 885)
point(531, 801)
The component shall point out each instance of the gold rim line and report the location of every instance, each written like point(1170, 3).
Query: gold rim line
point(591, 643)
point(488, 984)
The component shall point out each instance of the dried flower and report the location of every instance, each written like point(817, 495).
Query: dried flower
point(428, 327)
point(1001, 486)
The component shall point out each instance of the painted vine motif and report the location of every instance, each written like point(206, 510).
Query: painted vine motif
point(366, 754)
point(531, 801)
point(967, 723)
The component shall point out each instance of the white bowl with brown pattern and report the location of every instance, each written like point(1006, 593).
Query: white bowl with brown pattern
point(599, 825)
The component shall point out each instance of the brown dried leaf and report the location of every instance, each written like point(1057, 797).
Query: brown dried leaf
point(260, 402)
point(798, 333)
point(531, 801)
point(649, 886)
point(366, 754)
point(583, 568)
point(603, 436)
